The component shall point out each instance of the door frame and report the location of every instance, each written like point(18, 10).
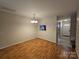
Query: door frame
point(73, 25)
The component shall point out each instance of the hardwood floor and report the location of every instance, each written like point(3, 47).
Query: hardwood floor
point(36, 49)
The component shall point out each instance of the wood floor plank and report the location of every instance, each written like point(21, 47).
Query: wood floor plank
point(36, 49)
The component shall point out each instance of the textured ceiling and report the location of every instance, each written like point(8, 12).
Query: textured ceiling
point(41, 8)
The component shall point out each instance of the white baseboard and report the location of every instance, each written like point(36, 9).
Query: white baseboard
point(9, 45)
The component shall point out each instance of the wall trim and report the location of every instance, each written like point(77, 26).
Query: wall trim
point(6, 46)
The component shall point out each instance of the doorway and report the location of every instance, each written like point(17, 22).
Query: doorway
point(66, 31)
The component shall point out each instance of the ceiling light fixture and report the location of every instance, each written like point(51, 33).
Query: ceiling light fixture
point(34, 19)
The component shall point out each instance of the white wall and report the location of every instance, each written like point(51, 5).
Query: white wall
point(50, 33)
point(77, 35)
point(15, 29)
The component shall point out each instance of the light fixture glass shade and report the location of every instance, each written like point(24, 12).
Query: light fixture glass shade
point(36, 21)
point(33, 21)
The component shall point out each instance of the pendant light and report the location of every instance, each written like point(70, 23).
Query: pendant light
point(34, 19)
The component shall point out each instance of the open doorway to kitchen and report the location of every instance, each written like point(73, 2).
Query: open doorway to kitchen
point(66, 31)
